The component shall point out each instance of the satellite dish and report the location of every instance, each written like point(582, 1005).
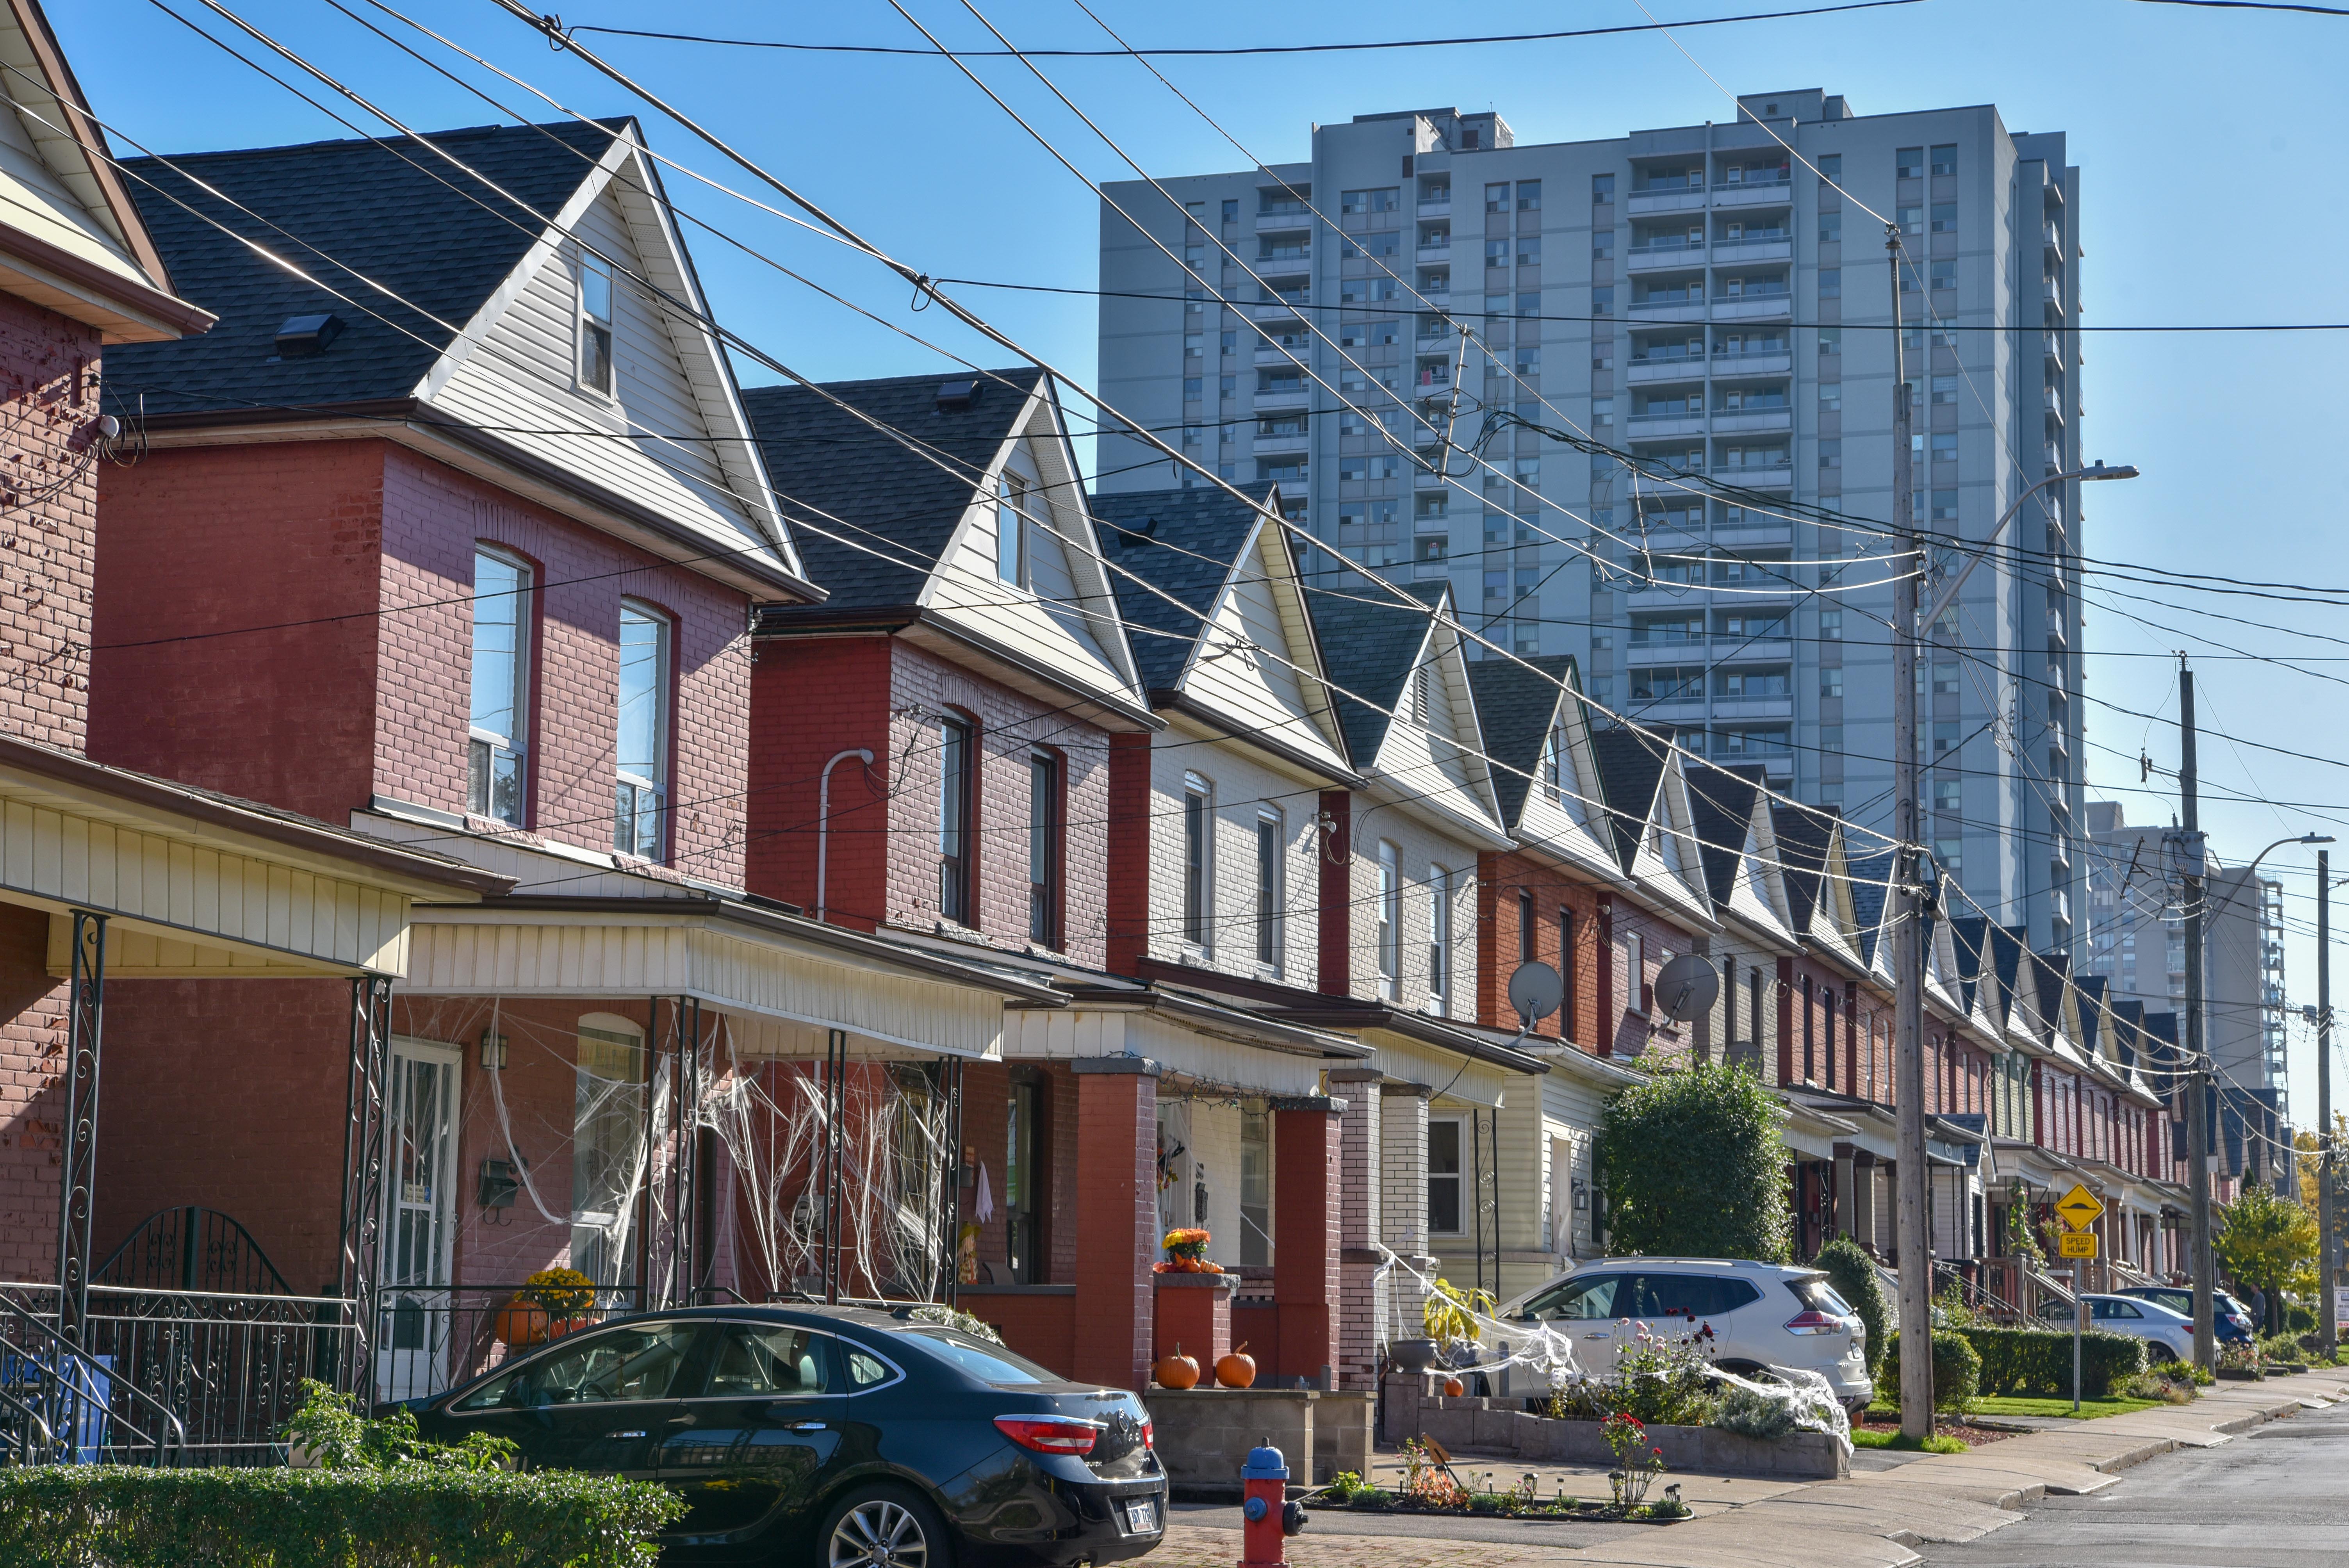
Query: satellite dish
point(1685, 987)
point(1536, 991)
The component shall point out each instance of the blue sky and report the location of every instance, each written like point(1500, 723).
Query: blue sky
point(2177, 117)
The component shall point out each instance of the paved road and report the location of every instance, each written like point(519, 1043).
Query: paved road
point(2272, 1499)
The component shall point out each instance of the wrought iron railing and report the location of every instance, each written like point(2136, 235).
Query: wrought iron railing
point(192, 1248)
point(431, 1338)
point(60, 1403)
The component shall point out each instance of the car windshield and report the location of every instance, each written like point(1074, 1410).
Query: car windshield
point(1819, 1296)
point(988, 1363)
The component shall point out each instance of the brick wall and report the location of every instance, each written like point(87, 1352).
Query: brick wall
point(48, 401)
point(1239, 788)
point(1499, 881)
point(32, 1096)
point(1629, 1028)
point(1418, 850)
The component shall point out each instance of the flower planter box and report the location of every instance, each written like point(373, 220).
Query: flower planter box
point(1489, 1425)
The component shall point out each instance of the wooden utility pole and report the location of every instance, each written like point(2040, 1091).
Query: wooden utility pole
point(2188, 841)
point(2328, 1252)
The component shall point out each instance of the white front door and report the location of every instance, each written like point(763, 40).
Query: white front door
point(419, 1217)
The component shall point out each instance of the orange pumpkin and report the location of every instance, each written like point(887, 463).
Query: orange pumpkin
point(563, 1326)
point(1236, 1370)
point(1455, 1388)
point(522, 1323)
point(1176, 1371)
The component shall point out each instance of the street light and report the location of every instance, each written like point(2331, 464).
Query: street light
point(1974, 552)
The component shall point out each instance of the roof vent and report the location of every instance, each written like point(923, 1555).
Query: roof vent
point(1134, 537)
point(955, 396)
point(303, 335)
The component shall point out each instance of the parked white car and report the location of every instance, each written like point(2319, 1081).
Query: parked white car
point(2169, 1336)
point(1761, 1314)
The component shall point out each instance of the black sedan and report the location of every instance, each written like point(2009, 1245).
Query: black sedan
point(846, 1437)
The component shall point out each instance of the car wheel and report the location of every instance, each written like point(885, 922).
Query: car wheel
point(2156, 1353)
point(884, 1527)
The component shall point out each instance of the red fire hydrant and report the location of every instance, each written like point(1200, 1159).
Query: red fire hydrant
point(1270, 1517)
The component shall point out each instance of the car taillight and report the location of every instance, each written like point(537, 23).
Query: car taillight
point(1814, 1323)
point(1149, 1433)
point(1049, 1434)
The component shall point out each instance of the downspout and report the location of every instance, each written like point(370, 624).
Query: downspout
point(823, 818)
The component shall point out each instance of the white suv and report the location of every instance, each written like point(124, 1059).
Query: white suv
point(1762, 1315)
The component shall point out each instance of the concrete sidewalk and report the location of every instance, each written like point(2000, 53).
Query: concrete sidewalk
point(1874, 1520)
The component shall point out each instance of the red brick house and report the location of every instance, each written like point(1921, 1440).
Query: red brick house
point(482, 531)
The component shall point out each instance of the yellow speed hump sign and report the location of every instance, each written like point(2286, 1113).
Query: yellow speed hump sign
point(2078, 1208)
point(2077, 1245)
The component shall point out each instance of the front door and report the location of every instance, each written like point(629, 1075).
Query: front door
point(419, 1220)
point(760, 1441)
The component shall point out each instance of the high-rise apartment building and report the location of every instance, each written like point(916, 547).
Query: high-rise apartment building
point(1391, 329)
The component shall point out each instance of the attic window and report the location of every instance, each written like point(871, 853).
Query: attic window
point(955, 396)
point(595, 324)
point(303, 336)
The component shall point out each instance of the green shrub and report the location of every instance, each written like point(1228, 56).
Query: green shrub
point(2037, 1362)
point(2298, 1319)
point(66, 1516)
point(2284, 1348)
point(1751, 1413)
point(1957, 1371)
point(1693, 1166)
point(1855, 1279)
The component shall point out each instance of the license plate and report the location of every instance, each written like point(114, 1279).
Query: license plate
point(1140, 1516)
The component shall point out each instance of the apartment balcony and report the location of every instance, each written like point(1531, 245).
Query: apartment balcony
point(1668, 368)
point(1725, 252)
point(1281, 264)
point(1270, 223)
point(1284, 309)
point(1753, 193)
point(1776, 362)
point(1285, 398)
point(1435, 255)
point(1690, 596)
point(2052, 239)
point(1753, 707)
point(2051, 290)
point(1773, 475)
point(1667, 199)
point(1277, 356)
point(1440, 207)
point(1650, 426)
point(1685, 711)
point(1665, 255)
point(1667, 309)
point(1426, 478)
point(1744, 421)
point(1753, 538)
point(2053, 350)
point(1753, 307)
point(1294, 441)
point(1693, 650)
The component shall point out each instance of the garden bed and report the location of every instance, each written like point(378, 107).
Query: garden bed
point(1556, 1512)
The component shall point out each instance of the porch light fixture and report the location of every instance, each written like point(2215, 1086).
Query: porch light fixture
point(493, 1050)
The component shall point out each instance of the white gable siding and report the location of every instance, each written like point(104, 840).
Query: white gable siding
point(521, 374)
point(1430, 757)
point(1259, 692)
point(37, 201)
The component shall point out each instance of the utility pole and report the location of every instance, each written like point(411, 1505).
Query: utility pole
point(1908, 910)
point(2198, 1091)
point(2328, 1253)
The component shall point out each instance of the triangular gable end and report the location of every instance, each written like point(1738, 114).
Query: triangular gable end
point(1566, 815)
point(1433, 748)
point(1668, 852)
point(1842, 926)
point(1759, 892)
point(672, 435)
point(1256, 659)
point(1063, 614)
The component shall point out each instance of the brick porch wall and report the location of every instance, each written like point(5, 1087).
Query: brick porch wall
point(32, 1095)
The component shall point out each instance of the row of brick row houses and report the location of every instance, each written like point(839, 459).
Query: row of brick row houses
point(484, 792)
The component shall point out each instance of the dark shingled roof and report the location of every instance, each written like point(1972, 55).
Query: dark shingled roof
point(1803, 835)
point(1720, 811)
point(1515, 704)
point(834, 471)
point(1868, 876)
point(385, 209)
point(2092, 1009)
point(1185, 543)
point(1631, 760)
point(1970, 933)
point(1370, 645)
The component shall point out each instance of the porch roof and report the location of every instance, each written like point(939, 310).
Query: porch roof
point(198, 884)
point(784, 974)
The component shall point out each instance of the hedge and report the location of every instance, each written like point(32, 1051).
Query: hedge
point(1957, 1371)
point(1855, 1279)
point(81, 1516)
point(2038, 1361)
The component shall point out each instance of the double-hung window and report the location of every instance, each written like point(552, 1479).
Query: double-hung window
point(1439, 941)
point(495, 782)
point(1198, 860)
point(1445, 1197)
point(1390, 911)
point(1012, 529)
point(956, 774)
point(645, 653)
point(1268, 899)
point(1043, 849)
point(596, 325)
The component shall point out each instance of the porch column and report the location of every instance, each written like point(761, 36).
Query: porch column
point(1117, 1218)
point(1362, 1292)
point(78, 1176)
point(1845, 1202)
point(1307, 1199)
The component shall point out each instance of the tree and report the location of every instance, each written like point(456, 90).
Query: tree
point(2269, 1242)
point(1853, 1275)
point(1693, 1166)
point(2306, 1143)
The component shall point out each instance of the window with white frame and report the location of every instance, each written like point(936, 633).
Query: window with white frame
point(596, 325)
point(1012, 562)
point(1270, 837)
point(1439, 941)
point(1553, 765)
point(643, 751)
point(1446, 1193)
point(1635, 973)
point(1198, 860)
point(957, 795)
point(1044, 848)
point(495, 783)
point(1390, 920)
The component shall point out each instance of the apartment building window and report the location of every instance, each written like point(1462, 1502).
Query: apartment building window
point(1389, 914)
point(1945, 445)
point(1908, 163)
point(1948, 794)
point(1193, 388)
point(1945, 679)
point(1198, 860)
point(1438, 939)
point(1944, 274)
point(1044, 792)
point(1945, 217)
point(1945, 506)
point(1910, 220)
point(1270, 901)
point(1830, 166)
point(595, 324)
point(1831, 228)
point(1496, 197)
point(1831, 282)
point(1945, 159)
point(1529, 250)
point(642, 750)
point(1602, 245)
point(1444, 1172)
point(1529, 195)
point(1830, 340)
point(1602, 188)
point(1231, 210)
point(958, 779)
point(1831, 683)
point(1602, 300)
point(495, 781)
point(1831, 452)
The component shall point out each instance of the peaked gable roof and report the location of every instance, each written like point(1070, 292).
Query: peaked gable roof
point(1649, 812)
point(1185, 543)
point(1721, 808)
point(1373, 642)
point(1518, 704)
point(1546, 776)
